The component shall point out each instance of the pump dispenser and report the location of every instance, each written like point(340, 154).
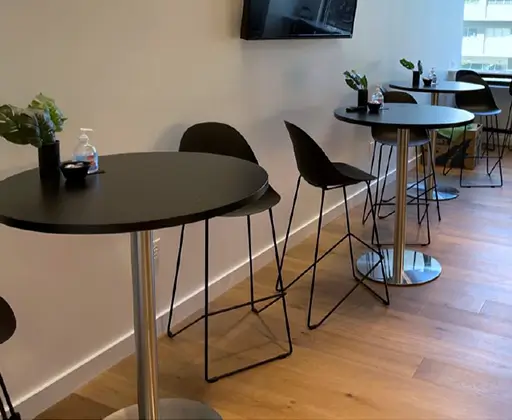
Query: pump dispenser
point(85, 151)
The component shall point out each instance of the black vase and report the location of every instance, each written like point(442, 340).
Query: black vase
point(49, 160)
point(362, 97)
point(415, 78)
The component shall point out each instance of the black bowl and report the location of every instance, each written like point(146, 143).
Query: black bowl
point(74, 171)
point(374, 107)
point(427, 82)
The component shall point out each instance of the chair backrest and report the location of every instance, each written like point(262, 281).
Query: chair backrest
point(312, 162)
point(216, 138)
point(397, 97)
point(510, 88)
point(7, 321)
point(477, 99)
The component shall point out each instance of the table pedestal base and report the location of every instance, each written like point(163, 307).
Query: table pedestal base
point(418, 268)
point(171, 409)
point(444, 192)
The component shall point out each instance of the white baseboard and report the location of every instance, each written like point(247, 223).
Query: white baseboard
point(70, 380)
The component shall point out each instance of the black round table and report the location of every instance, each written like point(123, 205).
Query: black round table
point(136, 194)
point(443, 193)
point(404, 267)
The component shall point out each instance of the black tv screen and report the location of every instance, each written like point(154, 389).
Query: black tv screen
point(282, 19)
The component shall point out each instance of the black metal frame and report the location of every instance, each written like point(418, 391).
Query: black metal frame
point(12, 414)
point(491, 135)
point(349, 235)
point(508, 126)
point(414, 200)
point(280, 295)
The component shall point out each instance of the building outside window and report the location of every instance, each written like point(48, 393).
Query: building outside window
point(487, 36)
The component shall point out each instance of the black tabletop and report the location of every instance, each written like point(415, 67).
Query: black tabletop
point(441, 87)
point(408, 116)
point(136, 192)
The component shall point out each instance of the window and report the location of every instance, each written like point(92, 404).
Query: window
point(500, 1)
point(468, 32)
point(497, 32)
point(487, 35)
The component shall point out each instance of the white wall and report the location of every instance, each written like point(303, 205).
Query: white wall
point(139, 73)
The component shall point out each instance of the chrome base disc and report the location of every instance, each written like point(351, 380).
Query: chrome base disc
point(419, 268)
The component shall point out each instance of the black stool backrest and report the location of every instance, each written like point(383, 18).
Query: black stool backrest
point(480, 99)
point(216, 138)
point(7, 328)
point(397, 97)
point(7, 321)
point(312, 162)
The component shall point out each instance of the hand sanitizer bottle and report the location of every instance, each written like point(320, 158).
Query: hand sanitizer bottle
point(433, 76)
point(85, 151)
point(378, 96)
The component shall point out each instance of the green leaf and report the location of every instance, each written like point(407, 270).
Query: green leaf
point(48, 104)
point(364, 82)
point(351, 84)
point(407, 64)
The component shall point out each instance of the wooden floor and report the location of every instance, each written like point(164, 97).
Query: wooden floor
point(440, 351)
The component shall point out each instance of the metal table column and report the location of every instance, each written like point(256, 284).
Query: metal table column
point(149, 407)
point(402, 267)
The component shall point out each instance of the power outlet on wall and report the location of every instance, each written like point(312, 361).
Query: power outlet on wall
point(371, 145)
point(156, 254)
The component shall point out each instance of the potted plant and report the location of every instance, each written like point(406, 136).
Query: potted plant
point(360, 84)
point(36, 125)
point(415, 73)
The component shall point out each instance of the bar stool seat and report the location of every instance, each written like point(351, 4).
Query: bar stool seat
point(270, 199)
point(352, 175)
point(391, 140)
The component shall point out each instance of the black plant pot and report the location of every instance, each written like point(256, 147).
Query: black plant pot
point(362, 97)
point(415, 78)
point(49, 161)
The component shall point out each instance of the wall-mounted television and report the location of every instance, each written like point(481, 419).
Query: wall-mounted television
point(284, 19)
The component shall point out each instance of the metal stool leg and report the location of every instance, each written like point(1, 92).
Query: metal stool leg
point(175, 285)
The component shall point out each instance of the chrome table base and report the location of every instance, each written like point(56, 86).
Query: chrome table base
point(418, 268)
point(444, 193)
point(402, 267)
point(149, 407)
point(171, 409)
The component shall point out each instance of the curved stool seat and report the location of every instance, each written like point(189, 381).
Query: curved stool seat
point(270, 199)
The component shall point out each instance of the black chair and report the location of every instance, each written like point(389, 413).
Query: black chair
point(221, 139)
point(482, 104)
point(508, 126)
point(317, 170)
point(420, 140)
point(7, 329)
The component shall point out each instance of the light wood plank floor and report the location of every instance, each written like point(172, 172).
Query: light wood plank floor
point(440, 351)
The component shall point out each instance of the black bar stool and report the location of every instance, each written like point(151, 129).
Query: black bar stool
point(222, 139)
point(317, 170)
point(508, 126)
point(7, 329)
point(420, 140)
point(482, 104)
